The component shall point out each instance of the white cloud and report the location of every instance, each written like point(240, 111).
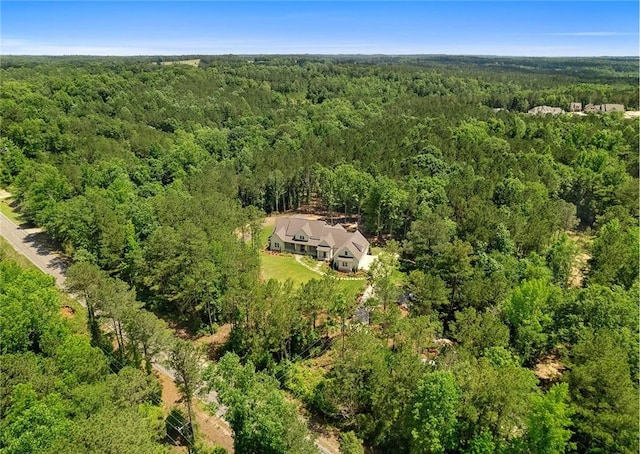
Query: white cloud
point(14, 46)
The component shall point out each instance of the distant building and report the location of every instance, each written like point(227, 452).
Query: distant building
point(601, 108)
point(613, 108)
point(545, 110)
point(575, 107)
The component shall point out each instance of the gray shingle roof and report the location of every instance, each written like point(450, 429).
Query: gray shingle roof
point(319, 233)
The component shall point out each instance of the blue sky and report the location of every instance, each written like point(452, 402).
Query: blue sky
point(539, 28)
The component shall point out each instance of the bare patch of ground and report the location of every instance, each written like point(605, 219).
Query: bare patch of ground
point(215, 343)
point(549, 368)
point(67, 312)
point(580, 264)
point(327, 437)
point(631, 114)
point(271, 220)
point(578, 270)
point(195, 62)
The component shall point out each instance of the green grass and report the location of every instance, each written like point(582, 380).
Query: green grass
point(9, 253)
point(352, 288)
point(283, 267)
point(265, 233)
point(398, 277)
point(10, 212)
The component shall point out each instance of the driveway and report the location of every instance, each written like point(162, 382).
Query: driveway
point(366, 261)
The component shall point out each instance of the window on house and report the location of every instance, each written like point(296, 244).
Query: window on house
point(276, 245)
point(345, 264)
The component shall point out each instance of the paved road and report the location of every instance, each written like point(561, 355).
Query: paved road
point(362, 313)
point(29, 242)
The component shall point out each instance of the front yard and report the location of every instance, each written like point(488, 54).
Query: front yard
point(284, 266)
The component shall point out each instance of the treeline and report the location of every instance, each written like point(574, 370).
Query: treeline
point(153, 174)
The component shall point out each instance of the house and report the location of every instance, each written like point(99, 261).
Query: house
point(344, 250)
point(544, 110)
point(575, 107)
point(600, 108)
point(613, 108)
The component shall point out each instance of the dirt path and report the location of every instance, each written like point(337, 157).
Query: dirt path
point(212, 429)
point(581, 261)
point(578, 270)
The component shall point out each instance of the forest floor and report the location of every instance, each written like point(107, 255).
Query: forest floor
point(581, 260)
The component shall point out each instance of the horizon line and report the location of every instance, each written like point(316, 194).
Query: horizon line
point(321, 55)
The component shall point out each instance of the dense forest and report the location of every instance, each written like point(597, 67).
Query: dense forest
point(512, 240)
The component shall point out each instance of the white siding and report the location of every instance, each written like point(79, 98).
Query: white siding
point(276, 243)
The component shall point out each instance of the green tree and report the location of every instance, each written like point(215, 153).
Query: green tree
point(185, 360)
point(435, 414)
point(560, 258)
point(604, 397)
point(28, 309)
point(550, 417)
point(85, 279)
point(381, 274)
point(261, 417)
point(40, 187)
point(496, 396)
point(350, 443)
point(529, 313)
point(478, 331)
point(83, 363)
point(147, 333)
point(429, 293)
point(33, 425)
point(615, 254)
point(116, 301)
point(454, 265)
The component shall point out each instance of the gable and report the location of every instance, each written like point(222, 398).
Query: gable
point(321, 234)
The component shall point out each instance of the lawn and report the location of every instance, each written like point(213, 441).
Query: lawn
point(264, 235)
point(352, 288)
point(283, 267)
point(9, 211)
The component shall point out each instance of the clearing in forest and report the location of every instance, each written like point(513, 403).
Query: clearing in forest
point(581, 260)
point(195, 62)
